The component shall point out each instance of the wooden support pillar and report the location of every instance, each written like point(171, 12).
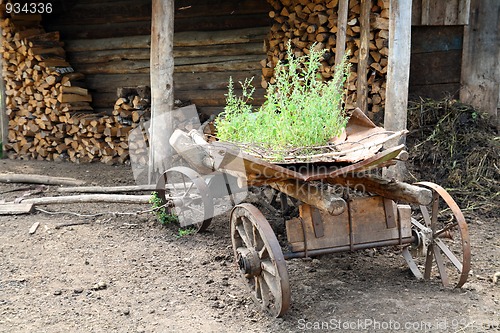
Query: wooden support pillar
point(398, 74)
point(362, 82)
point(162, 87)
point(4, 121)
point(341, 30)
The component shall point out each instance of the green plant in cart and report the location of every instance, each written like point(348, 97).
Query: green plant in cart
point(300, 110)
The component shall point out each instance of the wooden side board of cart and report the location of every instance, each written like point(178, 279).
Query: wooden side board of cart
point(421, 219)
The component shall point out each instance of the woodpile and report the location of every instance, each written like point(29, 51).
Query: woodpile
point(48, 106)
point(304, 22)
point(43, 93)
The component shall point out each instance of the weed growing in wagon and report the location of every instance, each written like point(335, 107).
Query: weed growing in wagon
point(301, 110)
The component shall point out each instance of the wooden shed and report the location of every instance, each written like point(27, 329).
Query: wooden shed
point(87, 50)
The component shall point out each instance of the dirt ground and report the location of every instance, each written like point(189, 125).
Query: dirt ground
point(131, 274)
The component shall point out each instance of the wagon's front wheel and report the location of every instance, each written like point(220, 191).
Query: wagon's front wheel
point(260, 259)
point(442, 247)
point(191, 202)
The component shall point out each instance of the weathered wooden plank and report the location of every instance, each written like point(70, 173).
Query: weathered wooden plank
point(435, 91)
point(190, 9)
point(444, 38)
point(214, 97)
point(95, 57)
point(109, 82)
point(186, 39)
point(115, 67)
point(416, 12)
point(88, 31)
point(212, 80)
point(220, 67)
point(435, 67)
point(15, 209)
point(104, 12)
point(481, 59)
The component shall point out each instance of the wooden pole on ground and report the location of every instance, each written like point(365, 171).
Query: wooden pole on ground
point(398, 74)
point(162, 87)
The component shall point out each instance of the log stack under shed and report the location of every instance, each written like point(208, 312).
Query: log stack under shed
point(61, 98)
point(305, 22)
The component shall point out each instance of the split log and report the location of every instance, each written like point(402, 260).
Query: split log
point(39, 179)
point(111, 189)
point(90, 198)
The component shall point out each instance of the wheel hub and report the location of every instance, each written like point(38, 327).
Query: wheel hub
point(249, 262)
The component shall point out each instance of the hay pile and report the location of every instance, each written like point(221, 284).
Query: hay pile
point(453, 145)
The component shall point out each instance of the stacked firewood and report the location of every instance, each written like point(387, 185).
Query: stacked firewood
point(304, 22)
point(42, 91)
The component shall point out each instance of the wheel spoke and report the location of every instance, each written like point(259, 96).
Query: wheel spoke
point(248, 227)
point(428, 263)
point(435, 210)
point(441, 266)
point(411, 263)
point(243, 235)
point(267, 266)
point(264, 291)
point(272, 284)
point(446, 250)
point(426, 216)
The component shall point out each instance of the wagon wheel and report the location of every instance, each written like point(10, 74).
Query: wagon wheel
point(260, 259)
point(190, 198)
point(442, 246)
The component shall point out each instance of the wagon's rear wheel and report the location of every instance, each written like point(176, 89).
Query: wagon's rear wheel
point(189, 195)
point(260, 259)
point(442, 247)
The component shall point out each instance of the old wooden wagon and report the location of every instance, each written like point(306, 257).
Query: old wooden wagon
point(343, 205)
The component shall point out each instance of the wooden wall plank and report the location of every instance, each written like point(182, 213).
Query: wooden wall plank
point(450, 12)
point(481, 59)
point(435, 67)
point(444, 38)
point(4, 121)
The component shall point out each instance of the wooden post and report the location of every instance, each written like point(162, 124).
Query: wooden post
point(398, 74)
point(481, 59)
point(4, 122)
point(362, 83)
point(162, 87)
point(341, 30)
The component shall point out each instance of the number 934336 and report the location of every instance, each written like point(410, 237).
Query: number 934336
point(28, 8)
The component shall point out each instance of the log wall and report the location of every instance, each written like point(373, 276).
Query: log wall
point(213, 40)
